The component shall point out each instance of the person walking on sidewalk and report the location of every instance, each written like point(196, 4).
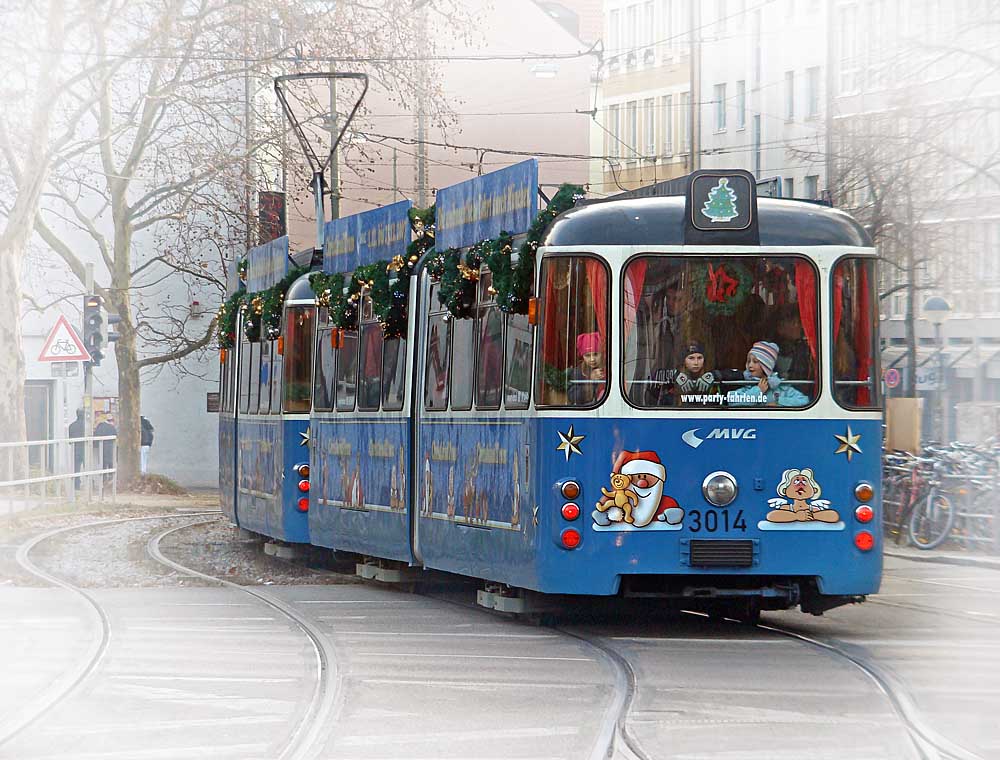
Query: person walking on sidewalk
point(77, 428)
point(145, 442)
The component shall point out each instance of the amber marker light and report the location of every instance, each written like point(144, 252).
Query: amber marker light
point(532, 311)
point(864, 540)
point(864, 492)
point(570, 489)
point(281, 345)
point(222, 356)
point(302, 470)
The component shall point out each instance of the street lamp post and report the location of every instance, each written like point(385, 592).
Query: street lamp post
point(936, 311)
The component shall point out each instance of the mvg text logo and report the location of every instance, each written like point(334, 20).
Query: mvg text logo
point(730, 434)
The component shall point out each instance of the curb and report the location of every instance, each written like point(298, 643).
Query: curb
point(946, 559)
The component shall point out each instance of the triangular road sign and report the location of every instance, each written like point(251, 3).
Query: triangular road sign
point(63, 345)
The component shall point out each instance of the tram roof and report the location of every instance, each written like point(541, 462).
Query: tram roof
point(660, 221)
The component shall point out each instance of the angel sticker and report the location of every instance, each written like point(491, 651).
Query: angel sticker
point(801, 488)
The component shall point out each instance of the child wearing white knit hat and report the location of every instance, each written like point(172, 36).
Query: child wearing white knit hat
point(768, 390)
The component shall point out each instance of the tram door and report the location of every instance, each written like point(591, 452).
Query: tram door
point(422, 301)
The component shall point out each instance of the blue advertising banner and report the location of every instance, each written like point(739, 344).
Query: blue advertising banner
point(267, 264)
point(367, 237)
point(480, 208)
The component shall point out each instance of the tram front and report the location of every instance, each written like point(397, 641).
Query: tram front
point(709, 403)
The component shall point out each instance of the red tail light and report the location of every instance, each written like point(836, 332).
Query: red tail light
point(570, 511)
point(304, 486)
point(304, 504)
point(864, 513)
point(570, 538)
point(864, 540)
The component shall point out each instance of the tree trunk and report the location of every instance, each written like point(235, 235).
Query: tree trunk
point(12, 426)
point(129, 405)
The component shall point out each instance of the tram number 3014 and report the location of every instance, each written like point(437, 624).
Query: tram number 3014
point(711, 521)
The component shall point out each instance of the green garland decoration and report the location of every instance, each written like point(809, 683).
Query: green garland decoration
point(512, 281)
point(262, 310)
point(723, 289)
point(229, 312)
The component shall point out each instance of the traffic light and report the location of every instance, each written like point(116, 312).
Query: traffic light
point(94, 328)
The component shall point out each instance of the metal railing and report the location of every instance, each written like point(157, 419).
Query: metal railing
point(58, 470)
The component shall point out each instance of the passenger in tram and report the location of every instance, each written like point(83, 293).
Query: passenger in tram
point(586, 380)
point(795, 359)
point(768, 389)
point(681, 386)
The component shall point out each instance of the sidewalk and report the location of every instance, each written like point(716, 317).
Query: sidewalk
point(945, 557)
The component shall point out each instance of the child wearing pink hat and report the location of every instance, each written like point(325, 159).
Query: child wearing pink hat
point(586, 380)
point(767, 390)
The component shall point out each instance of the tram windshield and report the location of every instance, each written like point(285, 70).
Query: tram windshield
point(300, 323)
point(714, 332)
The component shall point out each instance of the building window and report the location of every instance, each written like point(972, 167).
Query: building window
point(615, 32)
point(667, 24)
point(720, 15)
point(648, 32)
point(614, 132)
point(632, 129)
point(849, 62)
point(812, 91)
point(649, 117)
point(789, 95)
point(631, 29)
point(812, 186)
point(668, 125)
point(741, 104)
point(685, 133)
point(788, 190)
point(720, 107)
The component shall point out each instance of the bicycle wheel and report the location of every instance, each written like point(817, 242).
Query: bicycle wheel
point(932, 520)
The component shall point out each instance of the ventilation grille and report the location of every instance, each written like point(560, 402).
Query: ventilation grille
point(721, 553)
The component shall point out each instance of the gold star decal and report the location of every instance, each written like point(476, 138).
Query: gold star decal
point(848, 444)
point(569, 443)
point(305, 438)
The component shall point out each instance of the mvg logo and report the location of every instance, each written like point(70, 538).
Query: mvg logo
point(730, 434)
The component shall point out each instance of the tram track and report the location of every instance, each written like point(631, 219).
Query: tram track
point(70, 680)
point(311, 730)
point(929, 743)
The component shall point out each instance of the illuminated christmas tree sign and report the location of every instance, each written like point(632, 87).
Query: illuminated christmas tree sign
point(721, 200)
point(721, 203)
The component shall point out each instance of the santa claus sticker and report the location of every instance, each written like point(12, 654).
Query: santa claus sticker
point(634, 498)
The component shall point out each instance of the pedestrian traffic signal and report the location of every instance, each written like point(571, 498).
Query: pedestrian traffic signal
point(94, 328)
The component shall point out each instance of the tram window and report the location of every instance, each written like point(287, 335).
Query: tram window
point(323, 382)
point(245, 376)
point(264, 374)
point(300, 323)
point(489, 377)
point(705, 332)
point(438, 361)
point(517, 368)
point(393, 374)
point(277, 374)
point(463, 365)
point(573, 360)
point(254, 377)
point(370, 381)
point(855, 341)
point(347, 371)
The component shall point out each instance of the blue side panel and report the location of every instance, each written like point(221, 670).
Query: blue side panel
point(665, 462)
point(267, 501)
point(474, 491)
point(359, 484)
point(227, 466)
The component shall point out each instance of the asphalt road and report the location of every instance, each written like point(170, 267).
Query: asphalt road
point(213, 673)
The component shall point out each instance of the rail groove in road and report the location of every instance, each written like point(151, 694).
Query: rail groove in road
point(311, 730)
point(35, 707)
point(930, 744)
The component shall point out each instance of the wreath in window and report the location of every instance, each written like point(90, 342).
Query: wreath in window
point(722, 287)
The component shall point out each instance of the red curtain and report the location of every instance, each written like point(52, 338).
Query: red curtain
point(805, 286)
point(635, 279)
point(838, 302)
point(597, 280)
point(553, 351)
point(863, 333)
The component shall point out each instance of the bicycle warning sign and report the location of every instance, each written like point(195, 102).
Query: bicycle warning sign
point(63, 345)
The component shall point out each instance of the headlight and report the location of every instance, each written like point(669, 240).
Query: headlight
point(719, 489)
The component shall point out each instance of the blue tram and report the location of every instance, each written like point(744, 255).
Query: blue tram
point(690, 408)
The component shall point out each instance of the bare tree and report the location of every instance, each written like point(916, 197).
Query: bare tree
point(179, 129)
